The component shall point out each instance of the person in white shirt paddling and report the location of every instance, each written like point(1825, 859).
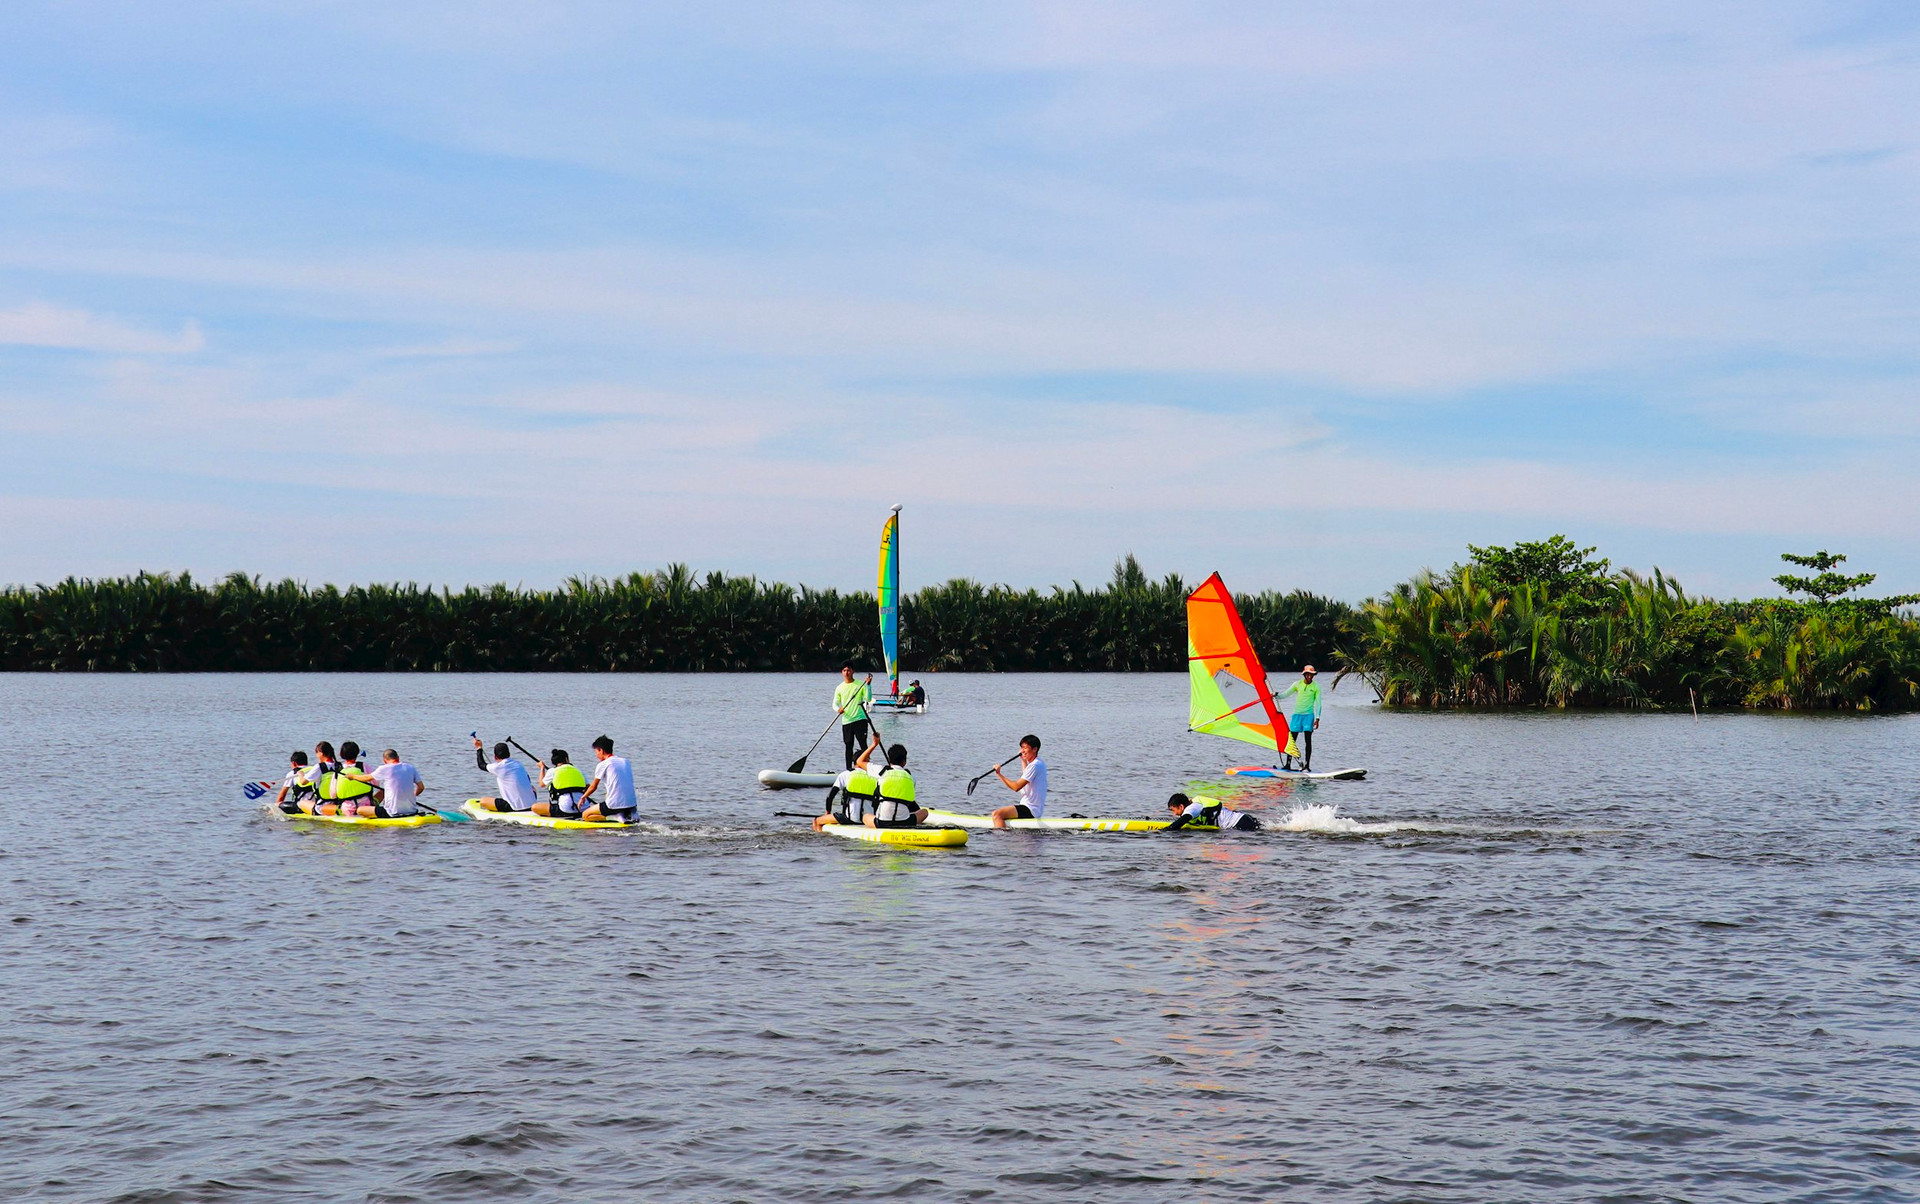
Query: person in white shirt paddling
point(399, 784)
point(516, 788)
point(1031, 785)
point(618, 803)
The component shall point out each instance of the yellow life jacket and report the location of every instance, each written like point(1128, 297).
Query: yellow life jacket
point(345, 788)
point(862, 784)
point(567, 779)
point(896, 784)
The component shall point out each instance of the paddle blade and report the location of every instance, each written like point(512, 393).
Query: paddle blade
point(799, 766)
point(455, 817)
point(253, 790)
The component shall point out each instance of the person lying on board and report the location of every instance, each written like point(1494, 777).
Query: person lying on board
point(565, 784)
point(914, 696)
point(516, 788)
point(1031, 785)
point(619, 803)
point(858, 786)
point(399, 784)
point(297, 792)
point(1208, 813)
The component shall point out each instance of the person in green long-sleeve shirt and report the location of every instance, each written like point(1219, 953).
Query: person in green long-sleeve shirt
point(850, 699)
point(1303, 717)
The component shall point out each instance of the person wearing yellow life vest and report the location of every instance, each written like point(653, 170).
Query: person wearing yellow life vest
point(1207, 813)
point(896, 806)
point(565, 785)
point(350, 785)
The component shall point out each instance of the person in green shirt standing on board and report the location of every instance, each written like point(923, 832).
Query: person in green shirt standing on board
point(850, 699)
point(1303, 717)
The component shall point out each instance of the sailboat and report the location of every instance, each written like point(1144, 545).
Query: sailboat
point(888, 591)
point(1228, 694)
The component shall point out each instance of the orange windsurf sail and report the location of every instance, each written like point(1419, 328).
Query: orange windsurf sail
point(1229, 695)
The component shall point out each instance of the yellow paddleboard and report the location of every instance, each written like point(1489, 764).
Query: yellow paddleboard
point(472, 807)
point(368, 821)
point(919, 838)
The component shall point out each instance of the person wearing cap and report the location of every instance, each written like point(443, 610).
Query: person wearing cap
point(916, 696)
point(1303, 717)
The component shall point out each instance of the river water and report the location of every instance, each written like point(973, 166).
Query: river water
point(1531, 957)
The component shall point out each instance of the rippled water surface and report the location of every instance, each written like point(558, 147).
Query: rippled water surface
point(1531, 957)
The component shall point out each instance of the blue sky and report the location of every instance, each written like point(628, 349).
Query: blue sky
point(479, 291)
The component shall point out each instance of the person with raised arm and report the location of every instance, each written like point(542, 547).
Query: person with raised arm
point(516, 788)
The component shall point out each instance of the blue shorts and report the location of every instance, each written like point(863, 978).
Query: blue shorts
point(1300, 723)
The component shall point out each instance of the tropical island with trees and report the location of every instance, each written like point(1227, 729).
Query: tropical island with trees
point(1534, 624)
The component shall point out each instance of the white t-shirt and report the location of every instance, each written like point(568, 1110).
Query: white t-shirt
point(515, 786)
point(1033, 788)
point(398, 780)
point(616, 778)
point(569, 800)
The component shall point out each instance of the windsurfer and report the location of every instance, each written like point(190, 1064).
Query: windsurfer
point(1303, 717)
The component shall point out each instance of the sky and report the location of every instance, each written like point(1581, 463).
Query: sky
point(1311, 295)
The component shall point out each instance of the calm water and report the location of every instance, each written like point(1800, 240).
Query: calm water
point(1533, 957)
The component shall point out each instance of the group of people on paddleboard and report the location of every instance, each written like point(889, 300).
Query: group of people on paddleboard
point(340, 783)
point(569, 791)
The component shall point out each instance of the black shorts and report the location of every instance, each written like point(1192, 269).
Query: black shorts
point(1247, 823)
point(290, 807)
point(909, 822)
point(625, 817)
point(1022, 811)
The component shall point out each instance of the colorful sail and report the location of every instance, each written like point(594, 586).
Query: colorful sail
point(1229, 695)
point(889, 591)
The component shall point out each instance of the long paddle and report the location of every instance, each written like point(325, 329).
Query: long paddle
point(800, 766)
point(996, 769)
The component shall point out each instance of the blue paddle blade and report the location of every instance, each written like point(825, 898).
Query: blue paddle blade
point(455, 817)
point(252, 789)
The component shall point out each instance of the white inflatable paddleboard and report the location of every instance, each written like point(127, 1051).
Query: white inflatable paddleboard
point(780, 779)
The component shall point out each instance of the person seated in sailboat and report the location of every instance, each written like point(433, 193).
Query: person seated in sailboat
point(1207, 813)
point(914, 695)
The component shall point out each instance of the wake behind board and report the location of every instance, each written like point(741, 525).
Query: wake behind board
point(780, 779)
point(1274, 771)
point(918, 838)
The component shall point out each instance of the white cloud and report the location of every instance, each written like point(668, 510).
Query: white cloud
point(41, 325)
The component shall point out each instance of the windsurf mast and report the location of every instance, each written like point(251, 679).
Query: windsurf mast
point(889, 592)
point(1227, 682)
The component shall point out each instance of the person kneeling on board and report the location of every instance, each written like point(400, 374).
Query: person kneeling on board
point(399, 784)
point(1208, 813)
point(516, 788)
point(297, 791)
point(616, 774)
point(565, 784)
point(1031, 785)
